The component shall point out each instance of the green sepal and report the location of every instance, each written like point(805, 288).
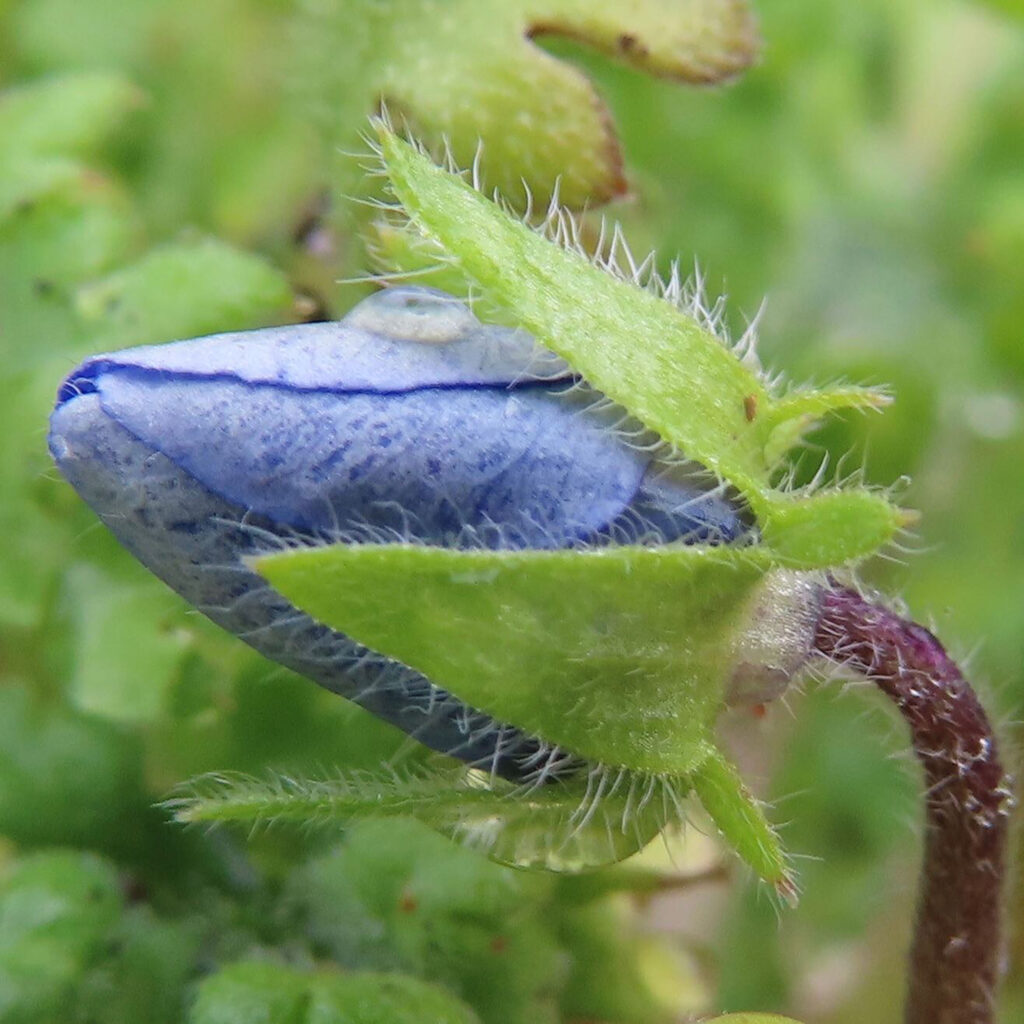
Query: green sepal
point(398, 253)
point(620, 655)
point(591, 821)
point(629, 673)
point(830, 528)
point(551, 826)
point(740, 820)
point(646, 354)
point(796, 413)
point(640, 351)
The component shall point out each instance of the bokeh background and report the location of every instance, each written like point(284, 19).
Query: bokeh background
point(169, 175)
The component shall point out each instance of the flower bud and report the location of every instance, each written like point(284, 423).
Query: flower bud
point(407, 421)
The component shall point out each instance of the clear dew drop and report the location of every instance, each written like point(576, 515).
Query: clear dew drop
point(424, 316)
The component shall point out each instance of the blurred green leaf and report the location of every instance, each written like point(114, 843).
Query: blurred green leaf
point(184, 290)
point(621, 974)
point(383, 999)
point(269, 993)
point(55, 912)
point(68, 898)
point(64, 777)
point(396, 896)
point(473, 74)
point(45, 126)
point(751, 1018)
point(47, 247)
point(136, 620)
point(1009, 6)
point(143, 975)
point(252, 993)
point(65, 115)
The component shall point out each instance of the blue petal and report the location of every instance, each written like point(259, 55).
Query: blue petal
point(396, 340)
point(527, 461)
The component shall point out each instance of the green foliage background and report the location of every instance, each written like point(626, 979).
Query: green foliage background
point(162, 168)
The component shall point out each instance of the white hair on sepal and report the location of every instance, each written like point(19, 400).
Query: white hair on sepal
point(610, 251)
point(612, 254)
point(637, 792)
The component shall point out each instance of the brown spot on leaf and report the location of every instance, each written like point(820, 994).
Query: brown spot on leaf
point(630, 44)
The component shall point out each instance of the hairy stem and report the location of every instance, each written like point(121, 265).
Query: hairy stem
point(954, 962)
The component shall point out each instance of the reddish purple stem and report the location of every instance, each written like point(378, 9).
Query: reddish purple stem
point(954, 962)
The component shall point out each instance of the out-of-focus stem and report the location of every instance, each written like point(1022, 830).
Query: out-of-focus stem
point(954, 961)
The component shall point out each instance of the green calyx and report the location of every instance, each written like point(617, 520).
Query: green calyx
point(648, 355)
point(620, 657)
point(648, 629)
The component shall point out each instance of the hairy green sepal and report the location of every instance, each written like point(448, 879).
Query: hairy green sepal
point(651, 358)
point(618, 655)
point(552, 827)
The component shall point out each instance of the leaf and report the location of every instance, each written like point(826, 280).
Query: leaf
point(48, 246)
point(63, 897)
point(65, 115)
point(183, 289)
point(751, 1018)
point(365, 998)
point(252, 993)
point(122, 667)
point(56, 912)
point(46, 126)
point(64, 777)
point(470, 72)
point(396, 896)
point(1012, 7)
point(60, 223)
point(622, 973)
point(261, 992)
point(144, 974)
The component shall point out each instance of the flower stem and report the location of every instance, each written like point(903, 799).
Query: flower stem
point(954, 961)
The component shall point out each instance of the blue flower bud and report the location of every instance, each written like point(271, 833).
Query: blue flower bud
point(407, 421)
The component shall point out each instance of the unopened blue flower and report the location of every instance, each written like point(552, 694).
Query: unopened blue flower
point(407, 421)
